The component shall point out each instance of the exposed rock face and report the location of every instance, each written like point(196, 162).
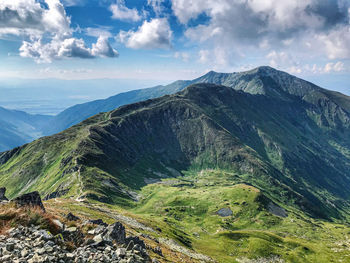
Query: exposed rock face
point(31, 199)
point(276, 210)
point(224, 212)
point(56, 194)
point(2, 194)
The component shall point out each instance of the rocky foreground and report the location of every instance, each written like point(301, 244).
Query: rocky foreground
point(30, 244)
point(78, 241)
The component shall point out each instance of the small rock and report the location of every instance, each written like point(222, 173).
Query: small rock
point(72, 217)
point(71, 229)
point(121, 252)
point(2, 194)
point(97, 222)
point(40, 251)
point(58, 223)
point(98, 238)
point(24, 253)
point(69, 255)
point(10, 246)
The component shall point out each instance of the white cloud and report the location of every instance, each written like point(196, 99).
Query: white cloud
point(182, 55)
point(98, 31)
point(102, 48)
point(336, 43)
point(240, 26)
point(27, 17)
point(69, 47)
point(334, 67)
point(47, 31)
point(153, 34)
point(203, 56)
point(121, 12)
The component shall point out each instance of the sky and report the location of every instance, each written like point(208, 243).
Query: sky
point(165, 40)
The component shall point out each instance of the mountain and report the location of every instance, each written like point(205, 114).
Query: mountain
point(80, 112)
point(249, 81)
point(281, 134)
point(18, 127)
point(256, 170)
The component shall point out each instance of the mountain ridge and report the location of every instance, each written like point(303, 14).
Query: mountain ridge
point(203, 126)
point(249, 81)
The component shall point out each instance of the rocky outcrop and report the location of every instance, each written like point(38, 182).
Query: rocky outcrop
point(2, 194)
point(72, 217)
point(116, 232)
point(32, 199)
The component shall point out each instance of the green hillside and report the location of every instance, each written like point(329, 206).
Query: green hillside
point(274, 159)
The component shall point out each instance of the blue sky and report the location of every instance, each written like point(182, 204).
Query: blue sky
point(165, 40)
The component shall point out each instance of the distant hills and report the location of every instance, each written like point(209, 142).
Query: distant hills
point(18, 127)
point(286, 136)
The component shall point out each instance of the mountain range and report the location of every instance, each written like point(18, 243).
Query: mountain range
point(245, 81)
point(240, 167)
point(281, 133)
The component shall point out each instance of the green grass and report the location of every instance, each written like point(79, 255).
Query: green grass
point(185, 209)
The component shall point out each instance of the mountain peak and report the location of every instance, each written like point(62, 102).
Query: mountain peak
point(265, 70)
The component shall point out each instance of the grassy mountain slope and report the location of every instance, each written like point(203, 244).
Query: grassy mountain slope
point(17, 127)
point(181, 214)
point(277, 156)
point(253, 81)
point(274, 144)
point(80, 112)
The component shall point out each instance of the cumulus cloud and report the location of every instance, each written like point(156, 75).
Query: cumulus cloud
point(69, 47)
point(155, 33)
point(102, 48)
point(238, 25)
point(28, 17)
point(121, 12)
point(47, 31)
